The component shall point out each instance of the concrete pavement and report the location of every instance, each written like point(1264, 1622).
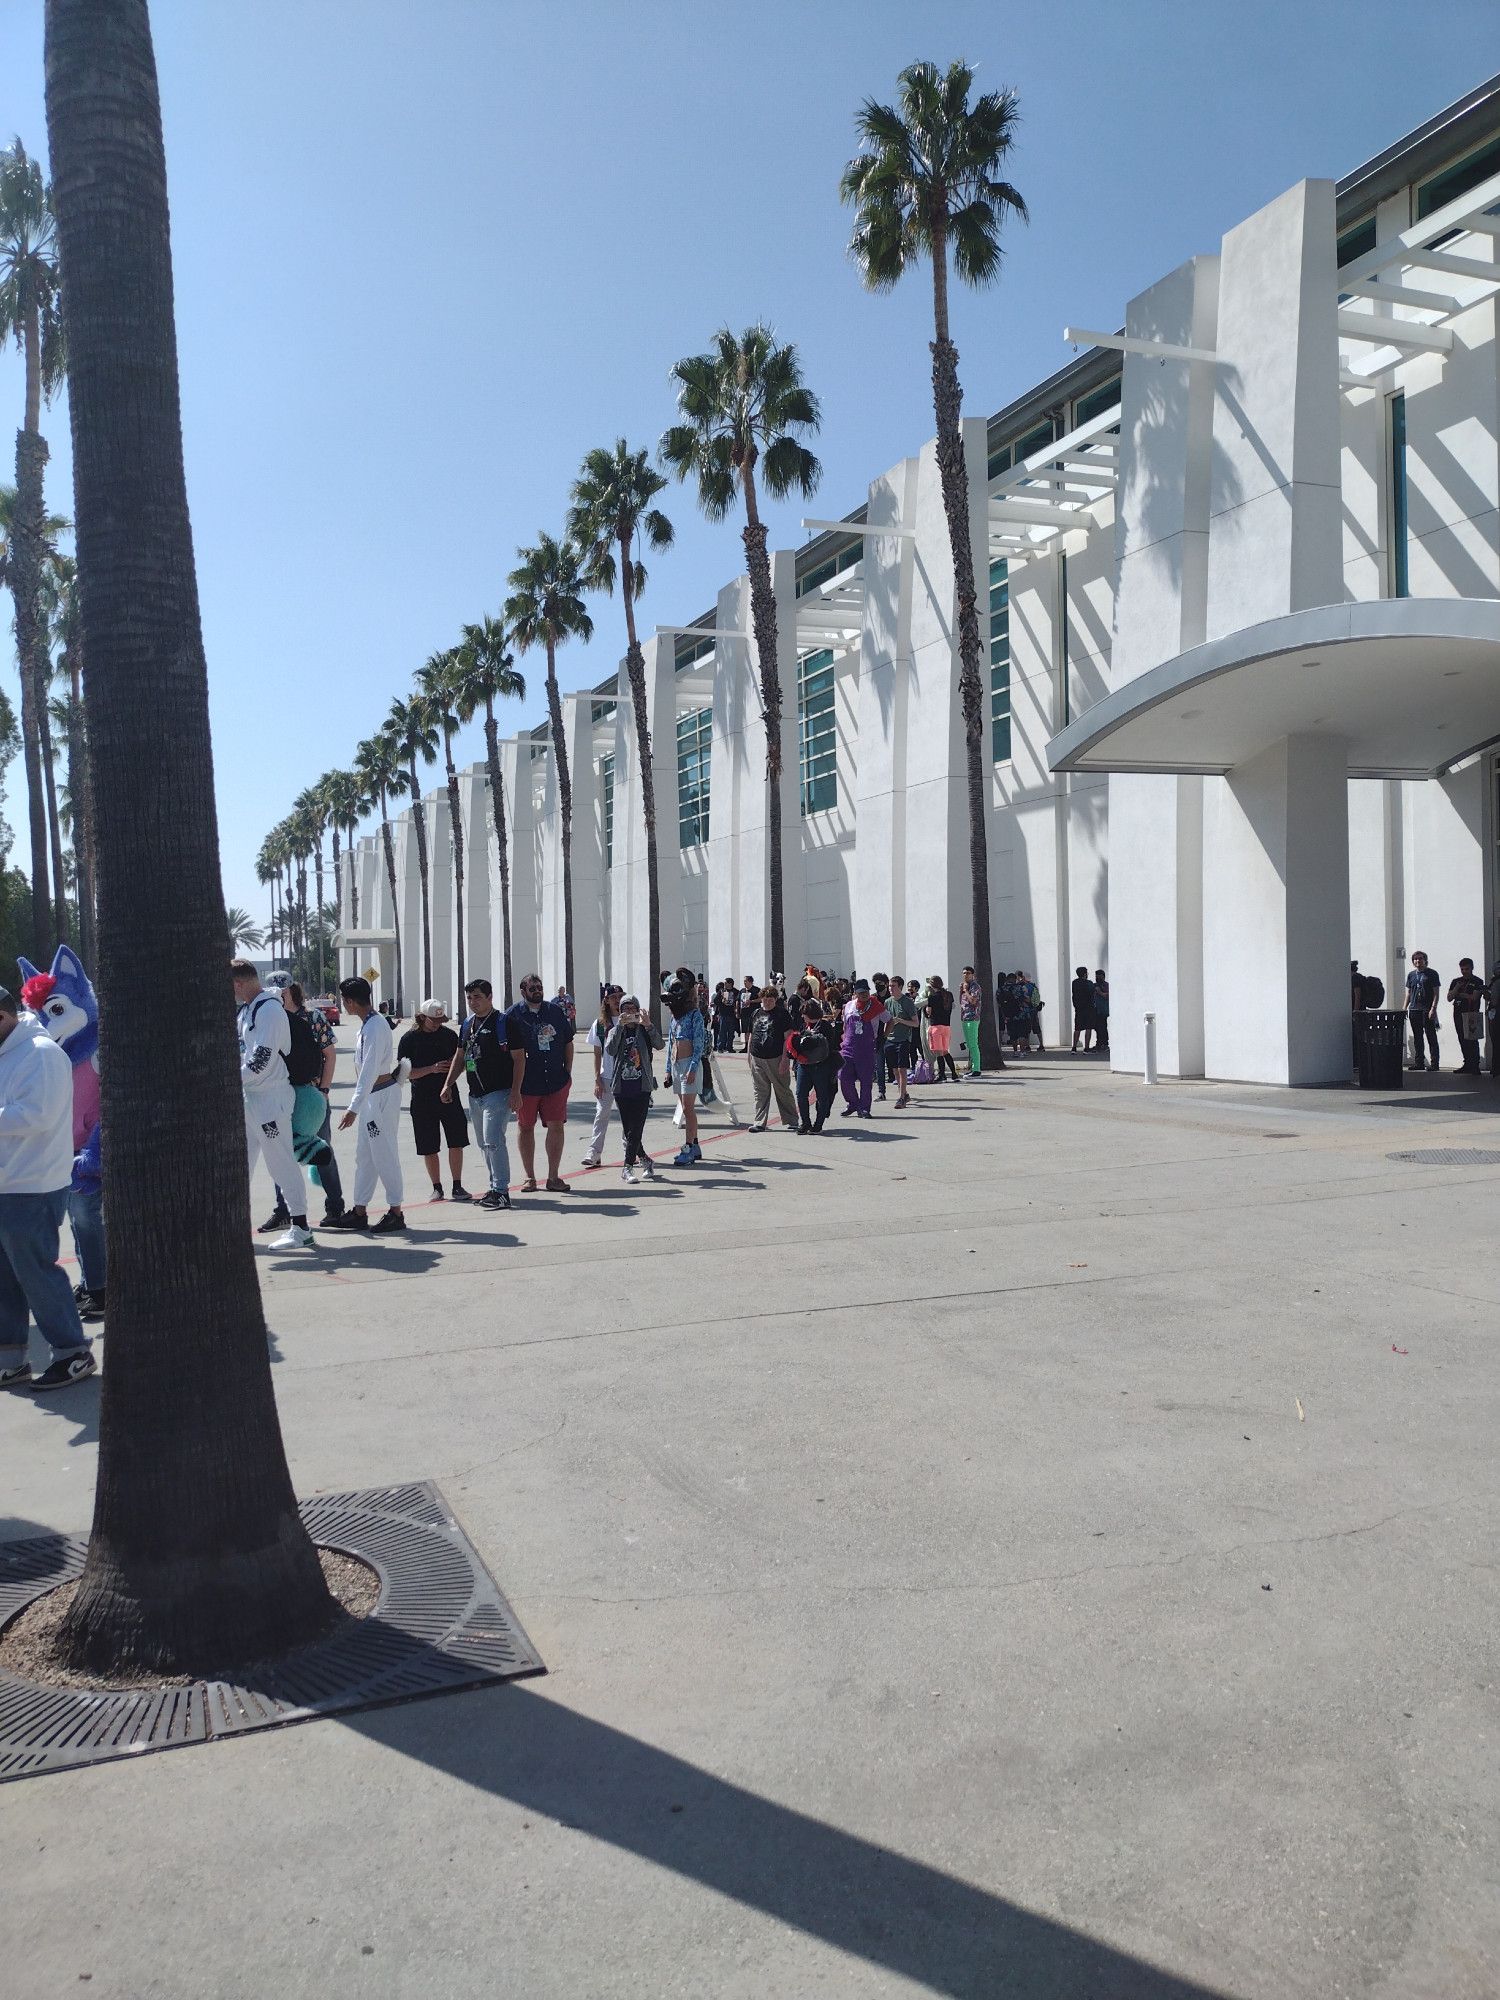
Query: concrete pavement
point(941, 1587)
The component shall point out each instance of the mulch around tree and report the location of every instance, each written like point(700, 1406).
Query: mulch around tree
point(28, 1644)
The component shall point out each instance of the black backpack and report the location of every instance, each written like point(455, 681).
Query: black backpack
point(1374, 989)
point(304, 1059)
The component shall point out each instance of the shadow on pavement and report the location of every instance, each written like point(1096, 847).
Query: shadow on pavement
point(948, 1935)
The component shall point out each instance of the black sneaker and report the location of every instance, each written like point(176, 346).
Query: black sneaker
point(389, 1223)
point(18, 1377)
point(350, 1219)
point(494, 1199)
point(91, 1307)
point(333, 1215)
point(66, 1370)
point(277, 1219)
point(460, 1192)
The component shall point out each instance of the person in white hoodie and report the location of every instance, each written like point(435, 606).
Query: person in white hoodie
point(36, 1168)
point(265, 1039)
point(376, 1108)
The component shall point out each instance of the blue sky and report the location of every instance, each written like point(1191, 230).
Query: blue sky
point(427, 256)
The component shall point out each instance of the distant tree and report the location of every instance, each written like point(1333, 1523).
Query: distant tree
point(745, 410)
point(545, 609)
point(377, 762)
point(440, 682)
point(489, 675)
point(613, 518)
point(197, 1560)
point(244, 933)
point(412, 728)
point(311, 807)
point(926, 180)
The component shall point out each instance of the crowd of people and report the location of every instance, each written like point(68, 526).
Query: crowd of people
point(1473, 1003)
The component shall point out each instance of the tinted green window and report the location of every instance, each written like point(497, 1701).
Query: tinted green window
point(999, 663)
point(1003, 457)
point(1400, 585)
point(687, 651)
point(817, 731)
point(1106, 397)
point(832, 566)
point(695, 735)
point(607, 806)
point(1358, 241)
point(1458, 179)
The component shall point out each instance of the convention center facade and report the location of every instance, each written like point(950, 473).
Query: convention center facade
point(1243, 613)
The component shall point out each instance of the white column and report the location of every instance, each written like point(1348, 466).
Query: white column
point(793, 862)
point(879, 781)
point(440, 859)
point(736, 787)
point(524, 779)
point(1276, 832)
point(588, 852)
point(629, 900)
point(1161, 539)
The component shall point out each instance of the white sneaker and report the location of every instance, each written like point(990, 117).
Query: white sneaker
point(627, 1174)
point(648, 1172)
point(294, 1239)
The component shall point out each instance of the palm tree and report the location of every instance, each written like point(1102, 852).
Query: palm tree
point(744, 405)
point(345, 804)
point(545, 609)
point(928, 177)
point(302, 832)
point(488, 676)
point(268, 871)
point(440, 682)
point(67, 627)
point(412, 727)
point(31, 315)
point(245, 934)
point(377, 762)
point(312, 809)
point(198, 1559)
point(612, 518)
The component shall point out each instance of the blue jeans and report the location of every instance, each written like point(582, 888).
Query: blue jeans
point(86, 1213)
point(32, 1280)
point(490, 1115)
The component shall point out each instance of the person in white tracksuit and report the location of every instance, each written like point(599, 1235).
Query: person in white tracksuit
point(264, 1041)
point(375, 1110)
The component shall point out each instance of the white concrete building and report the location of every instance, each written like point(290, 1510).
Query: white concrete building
point(1244, 616)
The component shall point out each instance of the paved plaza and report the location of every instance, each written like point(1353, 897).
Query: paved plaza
point(1040, 1544)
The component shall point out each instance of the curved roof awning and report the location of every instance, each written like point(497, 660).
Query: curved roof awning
point(1411, 683)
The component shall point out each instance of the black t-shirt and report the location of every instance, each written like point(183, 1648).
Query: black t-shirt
point(749, 1006)
point(940, 1007)
point(486, 1046)
point(1083, 995)
point(421, 1047)
point(769, 1028)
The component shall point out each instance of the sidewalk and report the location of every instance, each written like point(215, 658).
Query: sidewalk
point(1042, 1543)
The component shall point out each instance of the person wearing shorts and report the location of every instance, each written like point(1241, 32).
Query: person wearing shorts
point(686, 1044)
point(429, 1047)
point(540, 1034)
point(939, 1011)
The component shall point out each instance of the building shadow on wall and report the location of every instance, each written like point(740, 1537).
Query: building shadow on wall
point(945, 1934)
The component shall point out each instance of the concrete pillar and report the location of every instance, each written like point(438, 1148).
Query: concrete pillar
point(1161, 541)
point(1276, 915)
point(885, 668)
point(736, 786)
point(629, 903)
point(440, 856)
point(1276, 832)
point(524, 780)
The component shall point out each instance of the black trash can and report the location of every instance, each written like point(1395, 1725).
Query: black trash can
point(1380, 1048)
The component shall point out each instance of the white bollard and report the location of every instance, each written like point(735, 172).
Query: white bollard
point(1150, 1048)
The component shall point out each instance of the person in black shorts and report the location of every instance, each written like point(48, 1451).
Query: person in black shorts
point(430, 1047)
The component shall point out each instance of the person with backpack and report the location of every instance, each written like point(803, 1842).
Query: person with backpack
point(485, 1042)
point(265, 1039)
point(688, 1040)
point(810, 1049)
point(375, 1108)
point(310, 1059)
point(631, 1039)
point(901, 1038)
point(1466, 996)
point(938, 1008)
point(604, 1072)
point(772, 1024)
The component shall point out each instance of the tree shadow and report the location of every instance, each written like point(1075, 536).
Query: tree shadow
point(945, 1934)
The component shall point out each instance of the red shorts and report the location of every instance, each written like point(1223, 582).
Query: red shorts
point(551, 1109)
point(940, 1040)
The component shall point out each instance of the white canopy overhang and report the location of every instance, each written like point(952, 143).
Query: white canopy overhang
point(1412, 685)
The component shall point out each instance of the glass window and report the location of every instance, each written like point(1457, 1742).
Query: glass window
point(1357, 242)
point(1400, 586)
point(832, 566)
point(1106, 397)
point(602, 710)
point(817, 732)
point(1063, 673)
point(999, 662)
point(1003, 457)
point(695, 735)
point(607, 807)
point(1458, 179)
point(687, 651)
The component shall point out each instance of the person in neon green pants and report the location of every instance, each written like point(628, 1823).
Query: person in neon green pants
point(968, 1013)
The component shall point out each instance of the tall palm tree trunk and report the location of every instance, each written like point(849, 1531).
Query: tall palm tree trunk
point(61, 920)
point(338, 888)
point(318, 913)
point(763, 622)
point(947, 401)
point(198, 1558)
point(635, 672)
point(349, 830)
point(456, 830)
point(565, 807)
point(81, 791)
point(502, 844)
point(27, 542)
point(419, 820)
point(390, 876)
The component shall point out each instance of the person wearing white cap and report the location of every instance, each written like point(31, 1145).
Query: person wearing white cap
point(265, 1039)
point(428, 1048)
point(376, 1108)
